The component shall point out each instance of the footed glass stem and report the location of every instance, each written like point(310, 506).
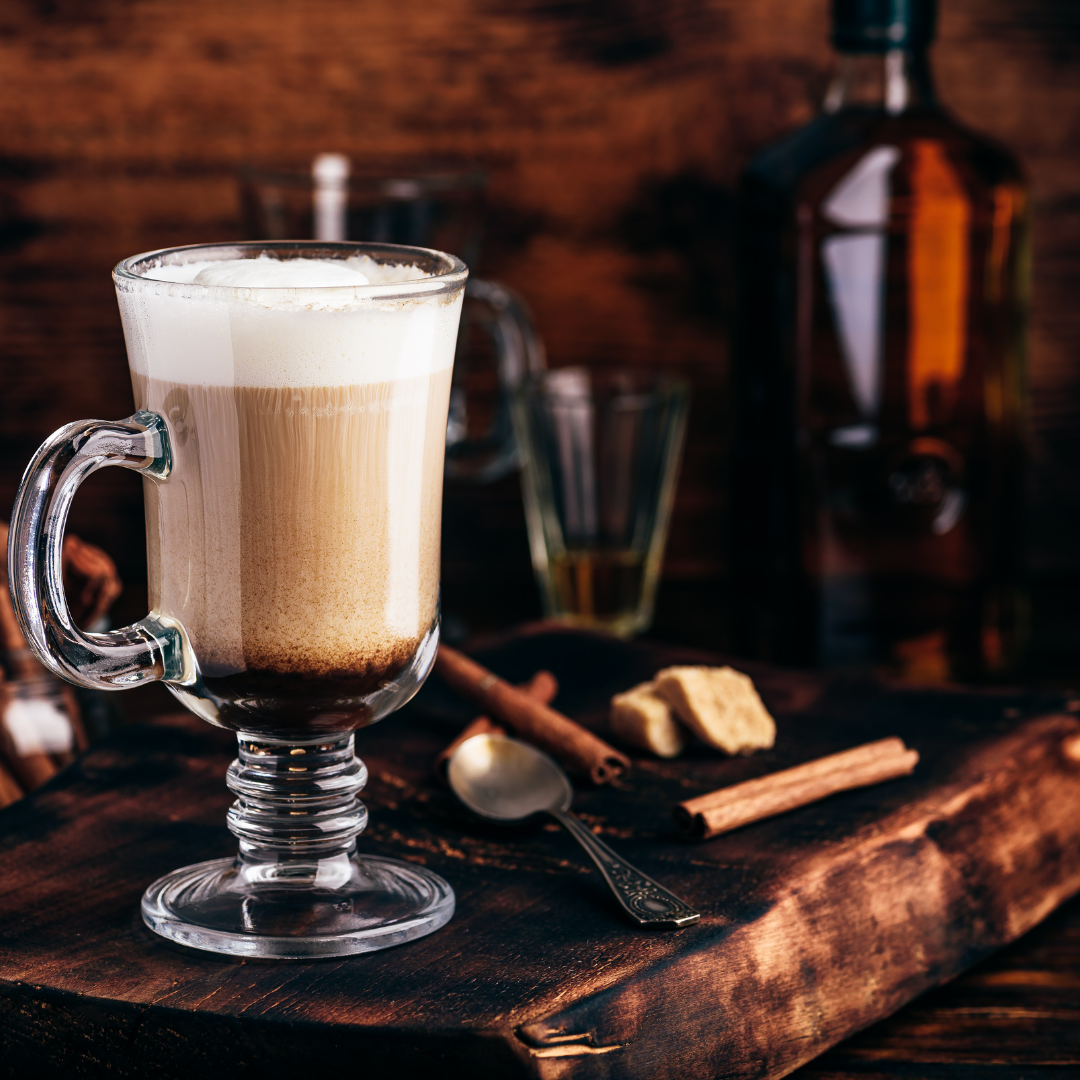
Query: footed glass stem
point(297, 887)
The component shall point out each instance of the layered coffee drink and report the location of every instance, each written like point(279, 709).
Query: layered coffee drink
point(295, 541)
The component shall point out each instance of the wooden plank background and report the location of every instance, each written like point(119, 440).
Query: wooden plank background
point(613, 131)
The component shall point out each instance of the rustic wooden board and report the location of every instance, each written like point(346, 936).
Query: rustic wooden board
point(1016, 1014)
point(815, 924)
point(1013, 1017)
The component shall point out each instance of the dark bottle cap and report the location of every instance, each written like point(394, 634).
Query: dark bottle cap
point(881, 25)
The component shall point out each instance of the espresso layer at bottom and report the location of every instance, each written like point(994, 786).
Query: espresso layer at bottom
point(274, 703)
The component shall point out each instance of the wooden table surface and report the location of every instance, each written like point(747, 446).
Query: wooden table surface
point(537, 975)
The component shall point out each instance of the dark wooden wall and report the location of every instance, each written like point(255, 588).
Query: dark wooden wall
point(613, 131)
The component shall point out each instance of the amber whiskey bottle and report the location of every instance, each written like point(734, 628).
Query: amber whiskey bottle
point(878, 377)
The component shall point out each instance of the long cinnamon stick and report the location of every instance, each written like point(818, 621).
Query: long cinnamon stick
point(576, 747)
point(731, 807)
point(543, 686)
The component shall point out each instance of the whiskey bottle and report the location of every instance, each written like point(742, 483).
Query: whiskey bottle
point(878, 464)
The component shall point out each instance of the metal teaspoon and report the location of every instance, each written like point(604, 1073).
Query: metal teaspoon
point(506, 780)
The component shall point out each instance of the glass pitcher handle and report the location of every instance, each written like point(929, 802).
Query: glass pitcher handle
point(146, 651)
point(518, 352)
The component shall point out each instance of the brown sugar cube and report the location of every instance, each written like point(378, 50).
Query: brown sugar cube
point(720, 705)
point(642, 718)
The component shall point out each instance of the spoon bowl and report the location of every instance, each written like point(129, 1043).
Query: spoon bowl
point(507, 780)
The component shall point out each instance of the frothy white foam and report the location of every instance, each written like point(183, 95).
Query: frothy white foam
point(179, 273)
point(269, 273)
point(317, 327)
point(265, 273)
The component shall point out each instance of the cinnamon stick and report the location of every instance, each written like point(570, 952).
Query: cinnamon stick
point(543, 686)
point(31, 766)
point(9, 788)
point(90, 580)
point(576, 747)
point(78, 729)
point(729, 808)
point(19, 661)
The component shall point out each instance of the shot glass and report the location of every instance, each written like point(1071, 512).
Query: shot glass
point(600, 457)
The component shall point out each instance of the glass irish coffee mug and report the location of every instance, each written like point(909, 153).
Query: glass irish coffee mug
point(291, 441)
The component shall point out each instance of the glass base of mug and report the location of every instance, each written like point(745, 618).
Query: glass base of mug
point(297, 888)
point(344, 904)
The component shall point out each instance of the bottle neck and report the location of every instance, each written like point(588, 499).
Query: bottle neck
point(892, 82)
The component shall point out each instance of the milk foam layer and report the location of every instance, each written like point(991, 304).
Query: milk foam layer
point(267, 273)
point(275, 327)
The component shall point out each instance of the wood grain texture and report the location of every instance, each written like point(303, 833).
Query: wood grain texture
point(1015, 1015)
point(612, 133)
point(815, 923)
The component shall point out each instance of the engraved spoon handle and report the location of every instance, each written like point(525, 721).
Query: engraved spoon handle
point(646, 902)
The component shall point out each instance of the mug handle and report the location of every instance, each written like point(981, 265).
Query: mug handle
point(518, 352)
point(151, 649)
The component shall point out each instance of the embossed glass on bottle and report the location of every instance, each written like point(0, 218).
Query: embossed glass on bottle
point(877, 493)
